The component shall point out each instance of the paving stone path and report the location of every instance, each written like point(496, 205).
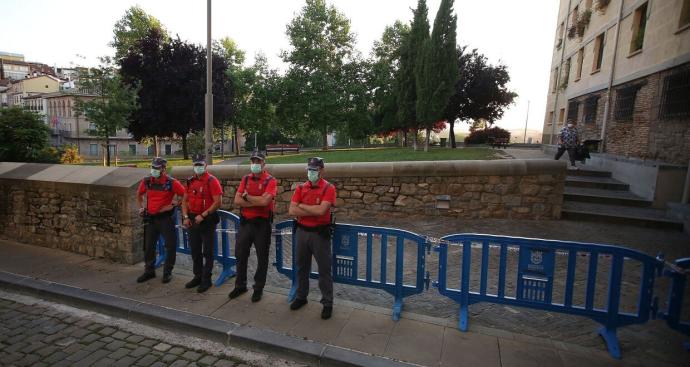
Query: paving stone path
point(36, 335)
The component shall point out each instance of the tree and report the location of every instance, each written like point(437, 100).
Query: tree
point(23, 136)
point(437, 73)
point(322, 48)
point(385, 67)
point(481, 92)
point(410, 56)
point(109, 111)
point(131, 28)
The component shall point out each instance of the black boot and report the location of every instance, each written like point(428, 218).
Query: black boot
point(146, 276)
point(193, 283)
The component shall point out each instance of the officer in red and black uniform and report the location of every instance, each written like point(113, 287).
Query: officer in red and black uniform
point(159, 190)
point(311, 203)
point(199, 212)
point(254, 197)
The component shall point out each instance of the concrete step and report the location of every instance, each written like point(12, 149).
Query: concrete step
point(645, 217)
point(595, 182)
point(589, 172)
point(604, 196)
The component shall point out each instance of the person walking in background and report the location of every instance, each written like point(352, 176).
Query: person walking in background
point(568, 139)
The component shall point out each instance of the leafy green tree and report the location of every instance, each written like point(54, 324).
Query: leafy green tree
point(385, 68)
point(438, 73)
point(131, 28)
point(410, 68)
point(322, 47)
point(481, 92)
point(109, 111)
point(23, 136)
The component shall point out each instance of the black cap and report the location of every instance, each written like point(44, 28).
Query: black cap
point(159, 163)
point(198, 159)
point(258, 155)
point(314, 163)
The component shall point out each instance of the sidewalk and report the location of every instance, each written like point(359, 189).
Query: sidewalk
point(415, 338)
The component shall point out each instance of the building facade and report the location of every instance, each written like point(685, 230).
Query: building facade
point(31, 86)
point(621, 71)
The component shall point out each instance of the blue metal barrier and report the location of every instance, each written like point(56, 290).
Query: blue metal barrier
point(224, 245)
point(678, 275)
point(534, 281)
point(348, 261)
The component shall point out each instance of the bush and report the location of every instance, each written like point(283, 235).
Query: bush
point(24, 137)
point(482, 136)
point(70, 154)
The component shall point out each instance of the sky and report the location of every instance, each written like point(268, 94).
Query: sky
point(518, 34)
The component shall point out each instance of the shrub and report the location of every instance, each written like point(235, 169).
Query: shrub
point(70, 155)
point(482, 136)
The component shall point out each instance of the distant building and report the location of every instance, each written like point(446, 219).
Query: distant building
point(622, 72)
point(30, 86)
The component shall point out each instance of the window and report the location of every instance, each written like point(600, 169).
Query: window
point(685, 14)
point(588, 4)
point(555, 81)
point(149, 150)
point(550, 120)
point(639, 25)
point(92, 126)
point(93, 149)
point(561, 35)
point(168, 148)
point(576, 12)
point(625, 102)
point(675, 97)
point(578, 70)
point(133, 149)
point(598, 52)
point(590, 112)
point(111, 149)
point(573, 107)
point(566, 74)
point(561, 114)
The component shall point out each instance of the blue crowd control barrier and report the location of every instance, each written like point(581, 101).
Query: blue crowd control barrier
point(532, 279)
point(673, 315)
point(353, 259)
point(224, 243)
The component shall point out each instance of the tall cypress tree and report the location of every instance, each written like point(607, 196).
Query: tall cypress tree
point(410, 54)
point(437, 72)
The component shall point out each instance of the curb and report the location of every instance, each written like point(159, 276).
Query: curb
point(221, 331)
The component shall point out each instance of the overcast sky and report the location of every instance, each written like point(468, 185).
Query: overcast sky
point(75, 32)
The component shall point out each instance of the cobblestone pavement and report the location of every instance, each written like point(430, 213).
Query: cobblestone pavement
point(40, 333)
point(561, 327)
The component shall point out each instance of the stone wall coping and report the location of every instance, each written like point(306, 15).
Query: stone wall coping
point(120, 177)
point(506, 167)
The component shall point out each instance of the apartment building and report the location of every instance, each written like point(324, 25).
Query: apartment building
point(621, 71)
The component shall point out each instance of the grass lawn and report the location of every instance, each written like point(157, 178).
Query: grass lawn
point(388, 155)
point(146, 163)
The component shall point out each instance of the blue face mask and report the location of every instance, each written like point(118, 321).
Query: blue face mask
point(199, 170)
point(255, 168)
point(155, 173)
point(313, 176)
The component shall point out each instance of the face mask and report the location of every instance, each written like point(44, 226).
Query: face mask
point(155, 173)
point(199, 170)
point(570, 125)
point(313, 176)
point(255, 168)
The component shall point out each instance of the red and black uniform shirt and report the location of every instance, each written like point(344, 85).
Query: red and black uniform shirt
point(309, 194)
point(257, 185)
point(160, 192)
point(200, 192)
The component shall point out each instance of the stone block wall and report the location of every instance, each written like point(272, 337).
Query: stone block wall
point(506, 189)
point(87, 210)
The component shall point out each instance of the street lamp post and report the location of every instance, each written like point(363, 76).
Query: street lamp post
point(208, 121)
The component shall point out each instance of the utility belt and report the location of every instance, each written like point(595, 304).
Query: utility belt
point(244, 220)
point(148, 218)
point(325, 230)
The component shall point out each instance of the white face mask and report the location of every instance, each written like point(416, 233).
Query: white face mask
point(199, 170)
point(570, 125)
point(155, 173)
point(255, 168)
point(313, 176)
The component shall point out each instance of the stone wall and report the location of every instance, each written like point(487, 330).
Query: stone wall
point(87, 210)
point(506, 189)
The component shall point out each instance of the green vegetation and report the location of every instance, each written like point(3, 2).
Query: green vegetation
point(387, 155)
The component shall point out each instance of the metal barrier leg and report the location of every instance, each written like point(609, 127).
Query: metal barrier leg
point(397, 308)
point(293, 291)
point(611, 339)
point(227, 273)
point(161, 252)
point(463, 317)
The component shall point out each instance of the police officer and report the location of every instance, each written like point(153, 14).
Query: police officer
point(254, 197)
point(311, 203)
point(199, 215)
point(159, 190)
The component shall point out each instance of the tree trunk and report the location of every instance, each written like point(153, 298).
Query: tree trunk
point(414, 139)
point(405, 139)
point(156, 147)
point(235, 139)
point(325, 139)
point(185, 153)
point(107, 152)
point(426, 141)
point(451, 134)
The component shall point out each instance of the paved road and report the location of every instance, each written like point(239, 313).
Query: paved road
point(39, 333)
